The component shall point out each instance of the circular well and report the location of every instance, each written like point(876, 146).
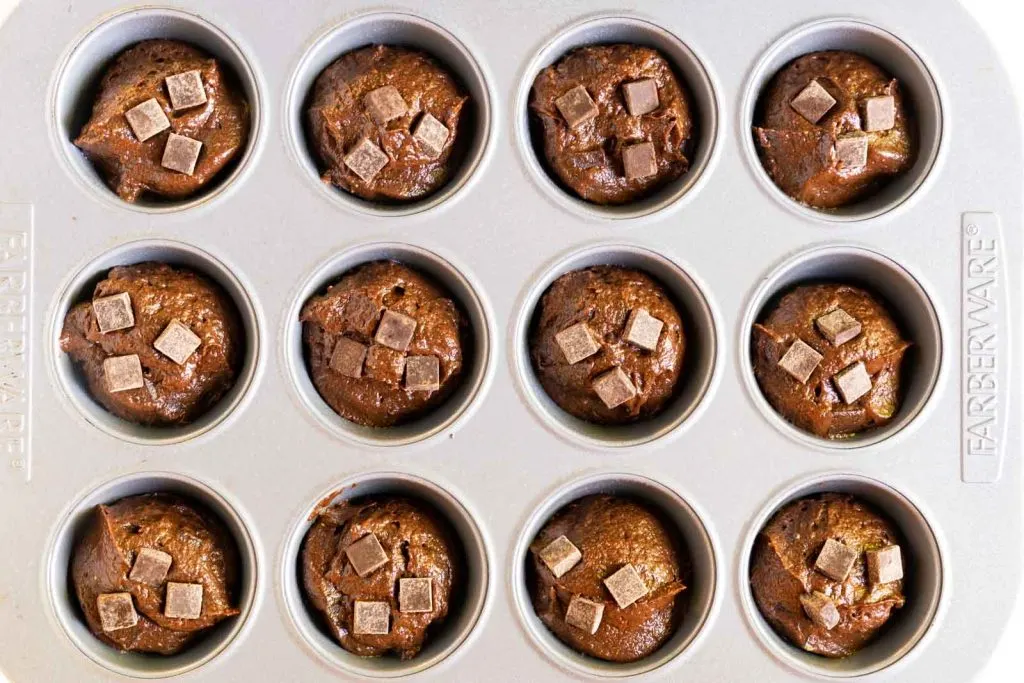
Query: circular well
point(924, 585)
point(699, 546)
point(65, 603)
point(892, 54)
point(408, 30)
point(81, 287)
point(462, 618)
point(74, 88)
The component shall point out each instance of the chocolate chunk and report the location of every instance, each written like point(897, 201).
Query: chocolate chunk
point(641, 96)
point(366, 555)
point(395, 331)
point(879, 113)
point(113, 312)
point(800, 361)
point(820, 609)
point(185, 90)
point(177, 342)
point(838, 326)
point(147, 119)
point(885, 565)
point(853, 382)
point(150, 567)
point(560, 556)
point(643, 329)
point(813, 102)
point(371, 618)
point(181, 154)
point(348, 358)
point(852, 151)
point(835, 560)
point(577, 343)
point(123, 373)
point(422, 373)
point(626, 586)
point(614, 388)
point(385, 104)
point(366, 160)
point(183, 600)
point(117, 611)
point(431, 134)
point(576, 106)
point(639, 160)
point(584, 614)
point(415, 595)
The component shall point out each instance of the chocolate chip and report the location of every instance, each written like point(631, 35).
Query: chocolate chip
point(117, 611)
point(147, 119)
point(643, 329)
point(576, 106)
point(431, 134)
point(395, 331)
point(639, 161)
point(560, 556)
point(113, 312)
point(123, 373)
point(577, 343)
point(371, 618)
point(422, 373)
point(813, 102)
point(852, 151)
point(626, 586)
point(415, 595)
point(885, 565)
point(150, 567)
point(584, 614)
point(838, 326)
point(853, 382)
point(366, 160)
point(177, 342)
point(366, 555)
point(186, 90)
point(879, 113)
point(181, 154)
point(183, 600)
point(800, 361)
point(614, 388)
point(385, 104)
point(820, 609)
point(641, 96)
point(835, 560)
point(348, 358)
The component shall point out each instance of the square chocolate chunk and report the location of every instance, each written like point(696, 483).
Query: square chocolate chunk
point(800, 361)
point(366, 160)
point(348, 358)
point(614, 388)
point(643, 329)
point(371, 618)
point(150, 567)
point(147, 119)
point(415, 595)
point(113, 312)
point(117, 611)
point(395, 331)
point(641, 96)
point(560, 556)
point(879, 113)
point(181, 154)
point(820, 609)
point(853, 382)
point(885, 565)
point(422, 373)
point(813, 102)
point(183, 600)
point(366, 555)
point(431, 134)
point(177, 342)
point(584, 614)
point(639, 160)
point(186, 90)
point(385, 104)
point(577, 343)
point(626, 586)
point(852, 151)
point(838, 326)
point(835, 560)
point(576, 106)
point(123, 373)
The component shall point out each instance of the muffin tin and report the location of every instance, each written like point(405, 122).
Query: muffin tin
point(942, 244)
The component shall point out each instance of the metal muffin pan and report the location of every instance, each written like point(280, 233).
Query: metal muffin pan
point(942, 246)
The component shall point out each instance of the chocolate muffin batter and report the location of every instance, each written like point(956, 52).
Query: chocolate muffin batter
point(817, 406)
point(588, 158)
point(353, 309)
point(202, 552)
point(782, 568)
point(133, 167)
point(173, 394)
point(417, 543)
point(604, 297)
point(800, 156)
point(340, 118)
point(610, 532)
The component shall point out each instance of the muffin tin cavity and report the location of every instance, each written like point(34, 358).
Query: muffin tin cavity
point(699, 548)
point(478, 364)
point(923, 583)
point(407, 30)
point(920, 93)
point(907, 301)
point(700, 362)
point(77, 80)
point(65, 605)
point(693, 76)
point(466, 607)
point(80, 288)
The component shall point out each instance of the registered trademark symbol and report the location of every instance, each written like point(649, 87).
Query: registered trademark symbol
point(972, 229)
